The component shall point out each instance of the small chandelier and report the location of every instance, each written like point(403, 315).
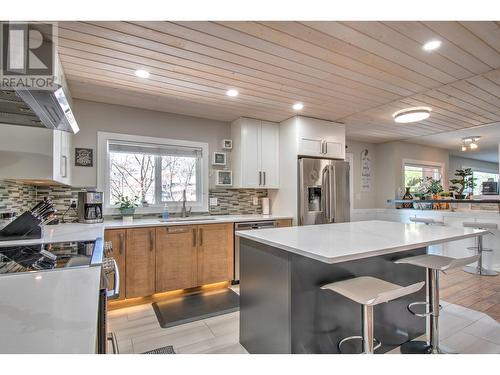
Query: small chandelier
point(470, 143)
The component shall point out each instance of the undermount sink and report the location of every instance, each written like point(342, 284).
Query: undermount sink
point(176, 219)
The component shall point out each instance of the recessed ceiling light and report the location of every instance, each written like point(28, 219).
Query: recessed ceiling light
point(141, 73)
point(297, 106)
point(411, 114)
point(431, 45)
point(232, 93)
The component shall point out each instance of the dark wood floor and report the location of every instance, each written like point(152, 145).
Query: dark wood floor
point(481, 293)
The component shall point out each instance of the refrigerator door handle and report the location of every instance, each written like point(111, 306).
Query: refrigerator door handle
point(332, 193)
point(326, 189)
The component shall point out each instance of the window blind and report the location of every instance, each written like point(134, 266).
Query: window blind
point(153, 149)
point(425, 170)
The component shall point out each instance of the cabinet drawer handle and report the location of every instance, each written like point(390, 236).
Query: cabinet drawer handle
point(194, 237)
point(177, 230)
point(122, 243)
point(201, 236)
point(151, 240)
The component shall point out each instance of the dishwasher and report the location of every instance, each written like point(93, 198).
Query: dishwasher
point(248, 225)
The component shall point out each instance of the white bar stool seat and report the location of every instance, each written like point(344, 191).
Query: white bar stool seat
point(433, 265)
point(426, 220)
point(369, 291)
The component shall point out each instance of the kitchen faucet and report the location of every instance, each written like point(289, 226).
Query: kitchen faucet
point(184, 212)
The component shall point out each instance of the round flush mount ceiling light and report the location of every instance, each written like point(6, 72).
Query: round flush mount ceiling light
point(297, 106)
point(141, 73)
point(232, 93)
point(431, 45)
point(411, 114)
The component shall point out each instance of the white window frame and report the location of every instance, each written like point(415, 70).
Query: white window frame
point(103, 163)
point(424, 163)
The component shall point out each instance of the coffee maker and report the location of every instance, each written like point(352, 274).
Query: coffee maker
point(90, 207)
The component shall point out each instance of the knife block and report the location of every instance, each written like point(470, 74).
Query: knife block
point(24, 227)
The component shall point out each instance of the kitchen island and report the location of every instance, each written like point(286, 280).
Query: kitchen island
point(283, 309)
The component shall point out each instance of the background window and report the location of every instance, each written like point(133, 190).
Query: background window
point(415, 173)
point(482, 177)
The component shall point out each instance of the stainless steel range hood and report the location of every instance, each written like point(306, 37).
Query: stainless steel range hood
point(40, 108)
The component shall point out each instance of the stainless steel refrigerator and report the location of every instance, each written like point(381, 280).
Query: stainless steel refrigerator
point(323, 191)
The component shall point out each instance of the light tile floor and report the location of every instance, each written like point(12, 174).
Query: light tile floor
point(462, 330)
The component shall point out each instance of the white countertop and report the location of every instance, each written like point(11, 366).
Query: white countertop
point(56, 311)
point(49, 312)
point(335, 243)
point(89, 232)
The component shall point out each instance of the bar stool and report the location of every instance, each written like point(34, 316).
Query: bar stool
point(426, 220)
point(433, 264)
point(479, 269)
point(368, 292)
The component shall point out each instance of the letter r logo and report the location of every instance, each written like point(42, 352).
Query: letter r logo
point(27, 49)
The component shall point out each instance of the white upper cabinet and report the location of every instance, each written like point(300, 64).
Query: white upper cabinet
point(320, 138)
point(35, 154)
point(255, 154)
point(61, 157)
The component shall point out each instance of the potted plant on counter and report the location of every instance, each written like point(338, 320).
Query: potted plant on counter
point(464, 180)
point(445, 195)
point(435, 187)
point(127, 205)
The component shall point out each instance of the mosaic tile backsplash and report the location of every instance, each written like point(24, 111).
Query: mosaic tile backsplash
point(16, 197)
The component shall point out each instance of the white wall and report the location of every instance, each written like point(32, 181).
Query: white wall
point(93, 117)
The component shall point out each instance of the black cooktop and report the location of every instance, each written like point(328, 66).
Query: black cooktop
point(26, 258)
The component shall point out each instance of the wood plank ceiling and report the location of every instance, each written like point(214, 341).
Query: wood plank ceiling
point(358, 73)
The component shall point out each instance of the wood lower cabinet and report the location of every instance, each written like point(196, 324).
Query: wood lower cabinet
point(176, 258)
point(140, 262)
point(160, 259)
point(118, 239)
point(280, 223)
point(215, 253)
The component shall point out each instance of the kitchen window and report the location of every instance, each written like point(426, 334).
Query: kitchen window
point(414, 172)
point(154, 169)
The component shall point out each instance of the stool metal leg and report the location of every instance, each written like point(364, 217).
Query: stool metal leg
point(370, 344)
point(479, 270)
point(368, 347)
point(433, 276)
point(418, 346)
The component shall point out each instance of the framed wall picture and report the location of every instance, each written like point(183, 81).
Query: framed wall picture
point(224, 178)
point(227, 144)
point(219, 158)
point(84, 157)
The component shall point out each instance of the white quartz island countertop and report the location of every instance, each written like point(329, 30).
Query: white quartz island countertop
point(335, 243)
